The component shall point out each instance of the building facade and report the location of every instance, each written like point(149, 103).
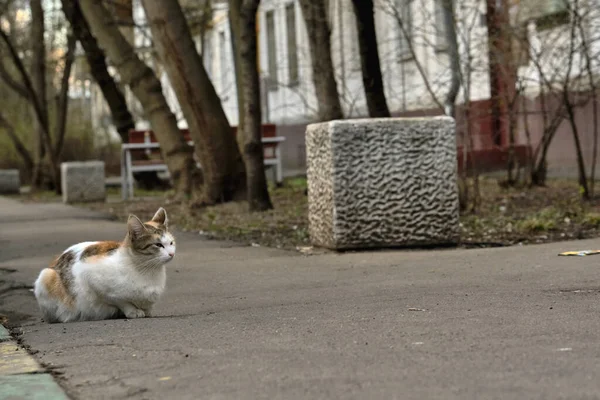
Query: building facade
point(414, 58)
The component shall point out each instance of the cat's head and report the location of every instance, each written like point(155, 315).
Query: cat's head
point(151, 240)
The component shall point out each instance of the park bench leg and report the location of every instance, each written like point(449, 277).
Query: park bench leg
point(129, 176)
point(278, 168)
point(124, 175)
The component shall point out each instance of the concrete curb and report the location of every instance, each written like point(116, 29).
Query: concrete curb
point(21, 377)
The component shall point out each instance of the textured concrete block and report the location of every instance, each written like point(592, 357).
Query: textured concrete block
point(382, 183)
point(9, 181)
point(83, 181)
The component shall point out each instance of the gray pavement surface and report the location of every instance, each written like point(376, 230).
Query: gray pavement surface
point(257, 323)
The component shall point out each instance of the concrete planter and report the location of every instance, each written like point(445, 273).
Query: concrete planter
point(83, 181)
point(382, 183)
point(10, 181)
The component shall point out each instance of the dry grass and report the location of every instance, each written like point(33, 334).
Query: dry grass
point(506, 216)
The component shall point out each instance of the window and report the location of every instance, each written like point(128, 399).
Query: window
point(290, 17)
point(405, 29)
point(441, 41)
point(271, 49)
point(223, 45)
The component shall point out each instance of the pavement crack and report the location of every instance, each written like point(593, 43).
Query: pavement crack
point(10, 286)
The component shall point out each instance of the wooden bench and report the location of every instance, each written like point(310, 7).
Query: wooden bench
point(142, 154)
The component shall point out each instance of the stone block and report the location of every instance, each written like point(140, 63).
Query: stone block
point(10, 182)
point(83, 181)
point(389, 182)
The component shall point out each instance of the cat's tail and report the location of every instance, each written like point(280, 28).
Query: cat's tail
point(54, 300)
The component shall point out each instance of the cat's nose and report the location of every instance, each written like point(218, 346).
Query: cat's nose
point(171, 255)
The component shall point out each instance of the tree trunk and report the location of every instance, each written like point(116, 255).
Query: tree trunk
point(502, 71)
point(317, 27)
point(369, 59)
point(62, 102)
point(147, 88)
point(38, 80)
point(450, 31)
point(583, 184)
point(215, 145)
point(235, 7)
point(95, 57)
point(243, 20)
point(18, 144)
point(38, 103)
point(121, 117)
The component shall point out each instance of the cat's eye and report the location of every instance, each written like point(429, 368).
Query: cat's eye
point(159, 245)
point(171, 243)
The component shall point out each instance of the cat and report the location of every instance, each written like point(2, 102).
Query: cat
point(103, 280)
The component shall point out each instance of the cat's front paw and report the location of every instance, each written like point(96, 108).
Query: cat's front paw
point(134, 313)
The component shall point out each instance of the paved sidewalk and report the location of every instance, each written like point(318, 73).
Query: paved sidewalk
point(243, 322)
point(21, 377)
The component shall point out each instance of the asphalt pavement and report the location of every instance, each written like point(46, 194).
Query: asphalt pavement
point(242, 322)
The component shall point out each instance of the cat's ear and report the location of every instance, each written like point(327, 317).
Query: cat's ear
point(135, 226)
point(161, 217)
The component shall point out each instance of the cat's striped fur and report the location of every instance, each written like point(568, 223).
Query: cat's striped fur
point(101, 280)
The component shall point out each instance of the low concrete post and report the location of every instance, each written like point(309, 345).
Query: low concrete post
point(10, 181)
point(83, 181)
point(389, 182)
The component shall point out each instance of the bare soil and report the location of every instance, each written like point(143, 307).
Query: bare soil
point(506, 216)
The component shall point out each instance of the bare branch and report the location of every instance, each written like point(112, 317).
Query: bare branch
point(63, 98)
point(19, 146)
point(12, 82)
point(26, 80)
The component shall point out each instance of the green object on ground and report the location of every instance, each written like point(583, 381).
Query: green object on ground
point(30, 387)
point(20, 374)
point(4, 334)
point(15, 360)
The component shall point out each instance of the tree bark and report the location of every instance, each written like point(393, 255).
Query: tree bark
point(502, 71)
point(96, 59)
point(369, 59)
point(317, 27)
point(450, 31)
point(583, 183)
point(38, 104)
point(38, 81)
point(243, 13)
point(122, 118)
point(215, 145)
point(18, 144)
point(235, 7)
point(147, 88)
point(63, 97)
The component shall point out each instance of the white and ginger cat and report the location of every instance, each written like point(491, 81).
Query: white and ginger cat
point(102, 280)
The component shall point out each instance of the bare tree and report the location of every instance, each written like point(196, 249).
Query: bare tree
point(216, 147)
point(243, 20)
point(122, 118)
point(235, 26)
point(32, 87)
point(113, 95)
point(569, 104)
point(369, 58)
point(319, 38)
point(589, 61)
point(17, 143)
point(38, 80)
point(147, 88)
point(450, 32)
